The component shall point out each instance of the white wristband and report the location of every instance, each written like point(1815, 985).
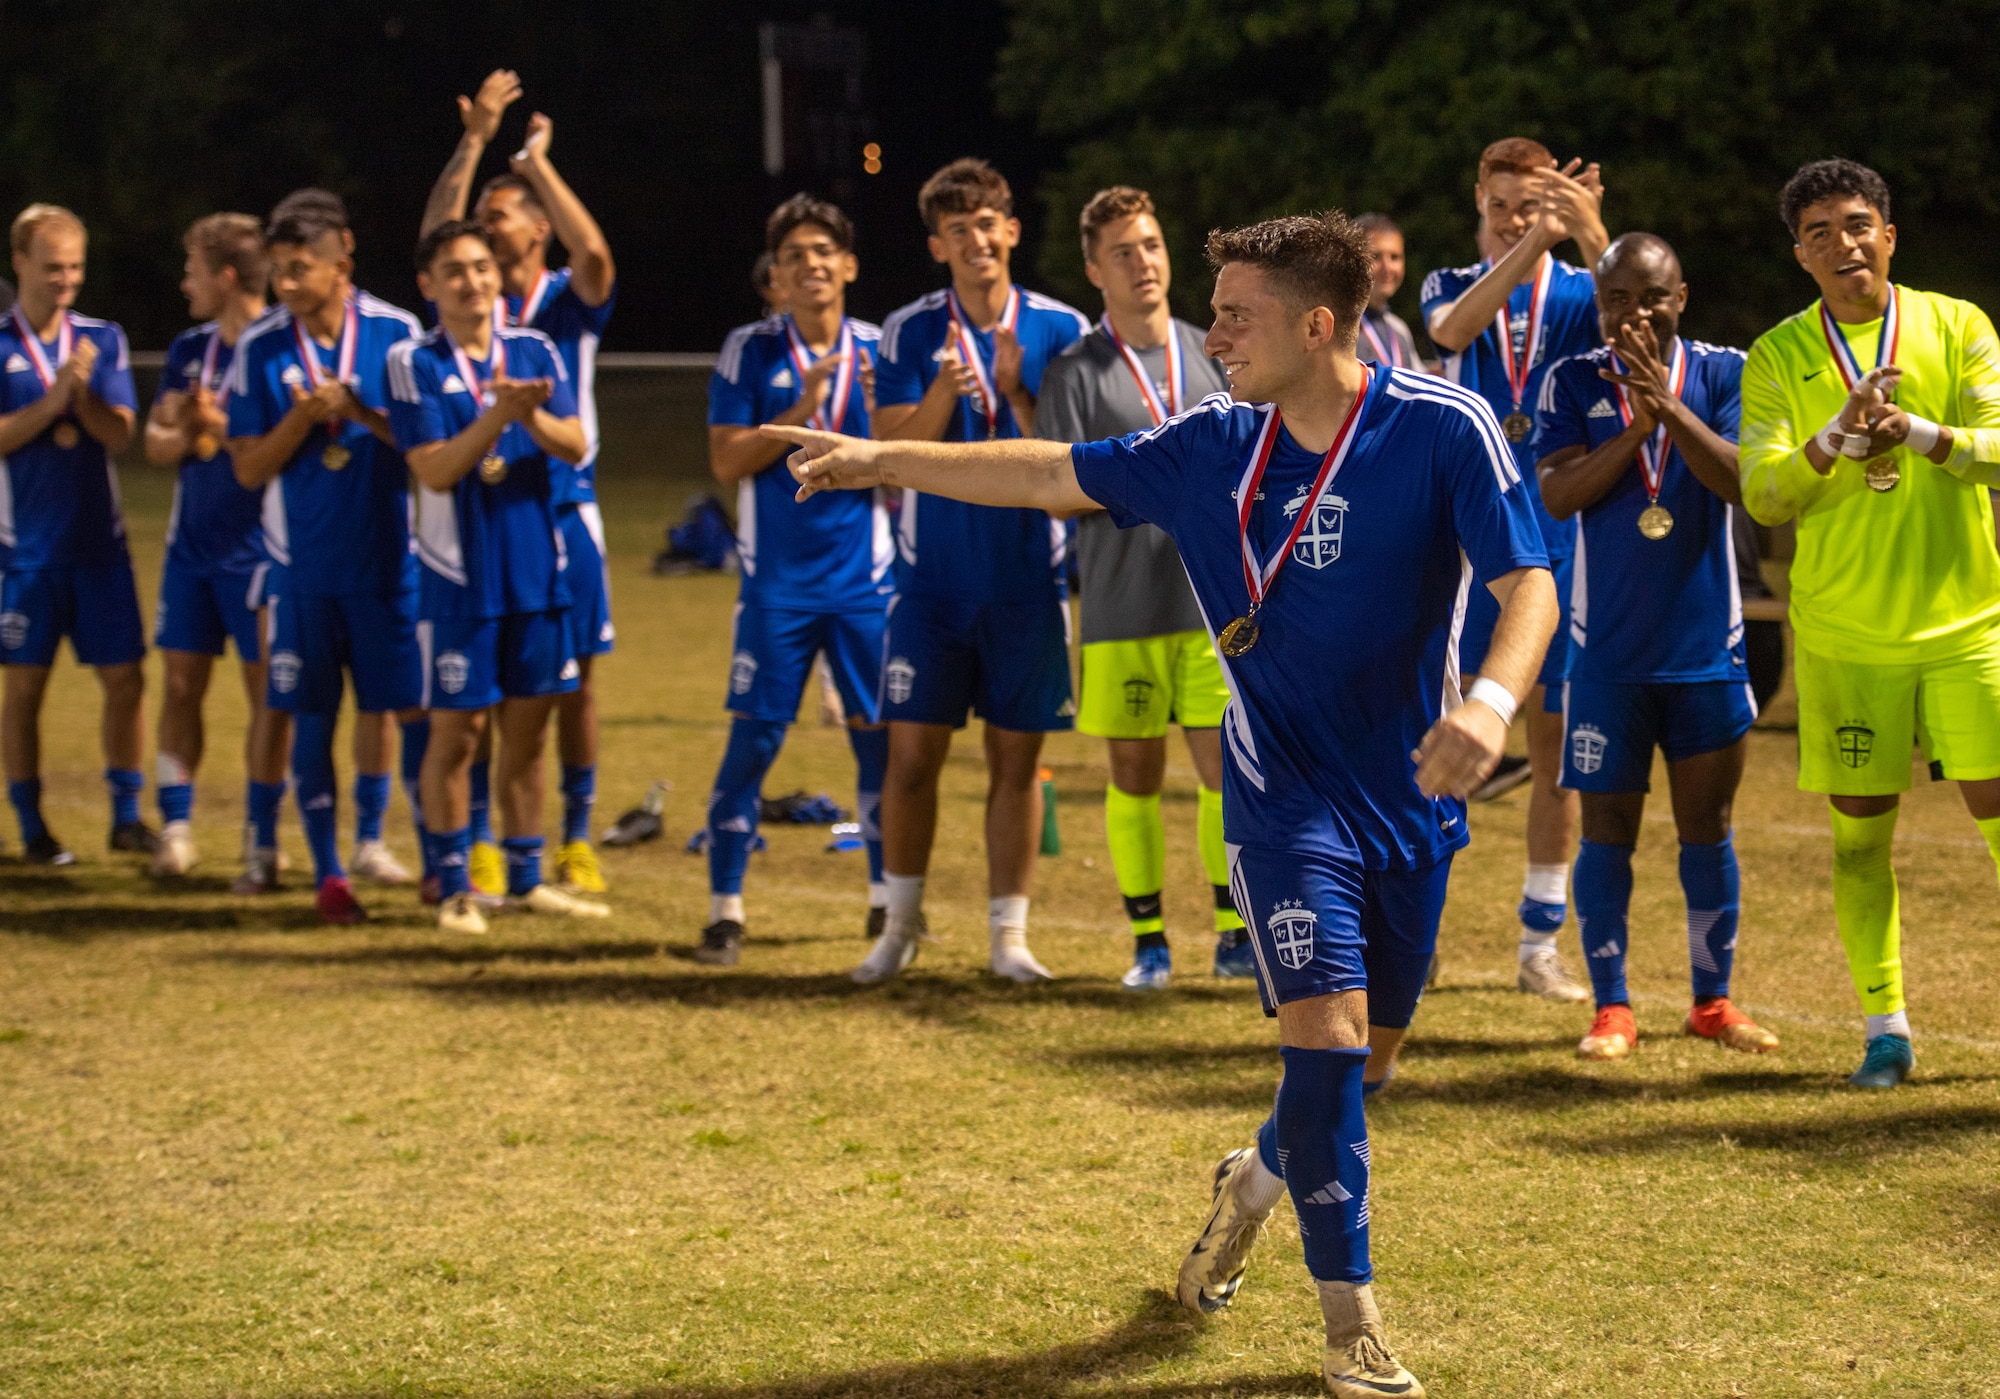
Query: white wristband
point(1830, 437)
point(1494, 696)
point(1923, 435)
point(1855, 446)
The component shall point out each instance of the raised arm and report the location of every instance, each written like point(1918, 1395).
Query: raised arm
point(481, 117)
point(591, 271)
point(1457, 324)
point(1019, 472)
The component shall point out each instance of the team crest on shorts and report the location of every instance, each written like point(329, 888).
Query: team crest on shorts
point(1292, 927)
point(902, 677)
point(742, 673)
point(284, 671)
point(1138, 696)
point(1319, 542)
point(1856, 743)
point(453, 671)
point(13, 629)
point(1586, 748)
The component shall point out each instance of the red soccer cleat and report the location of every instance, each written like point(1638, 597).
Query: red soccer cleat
point(1729, 1027)
point(431, 892)
point(1613, 1035)
point(336, 902)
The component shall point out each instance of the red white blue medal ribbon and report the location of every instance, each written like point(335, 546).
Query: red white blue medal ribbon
point(531, 304)
point(205, 376)
point(475, 383)
point(968, 350)
point(1653, 451)
point(1176, 375)
point(830, 415)
point(32, 343)
point(1538, 301)
point(350, 326)
point(1258, 577)
point(1388, 352)
point(1844, 362)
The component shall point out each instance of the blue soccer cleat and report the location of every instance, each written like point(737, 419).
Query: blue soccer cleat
point(1887, 1063)
point(1240, 960)
point(1151, 969)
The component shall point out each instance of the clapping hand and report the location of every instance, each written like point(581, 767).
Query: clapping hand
point(74, 376)
point(1646, 382)
point(482, 114)
point(534, 147)
point(1006, 361)
point(957, 372)
point(1572, 198)
point(517, 399)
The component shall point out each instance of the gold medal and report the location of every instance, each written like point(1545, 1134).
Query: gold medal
point(206, 446)
point(1517, 426)
point(1882, 474)
point(493, 468)
point(335, 457)
point(1655, 522)
point(66, 435)
point(1238, 637)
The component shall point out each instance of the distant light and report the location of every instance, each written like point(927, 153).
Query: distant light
point(871, 151)
point(872, 165)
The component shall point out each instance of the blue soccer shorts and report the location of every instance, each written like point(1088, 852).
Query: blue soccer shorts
point(773, 656)
point(1321, 926)
point(1006, 662)
point(587, 579)
point(1482, 610)
point(200, 610)
point(95, 606)
point(1610, 731)
point(475, 662)
point(370, 636)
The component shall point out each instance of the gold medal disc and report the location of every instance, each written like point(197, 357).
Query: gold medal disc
point(1881, 474)
point(1517, 426)
point(66, 435)
point(1655, 522)
point(1238, 637)
point(493, 468)
point(206, 446)
point(335, 457)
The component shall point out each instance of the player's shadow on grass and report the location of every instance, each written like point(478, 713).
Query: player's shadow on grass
point(452, 954)
point(95, 920)
point(1560, 1086)
point(1860, 1133)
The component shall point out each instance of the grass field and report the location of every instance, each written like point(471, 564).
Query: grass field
point(240, 1155)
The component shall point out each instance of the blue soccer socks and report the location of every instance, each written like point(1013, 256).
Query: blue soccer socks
point(524, 864)
point(732, 806)
point(1322, 1137)
point(1713, 887)
point(451, 852)
point(313, 779)
point(481, 779)
point(27, 800)
point(371, 804)
point(1603, 899)
point(262, 800)
point(125, 785)
point(579, 793)
point(416, 741)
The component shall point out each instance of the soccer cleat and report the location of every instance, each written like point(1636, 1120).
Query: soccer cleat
point(1364, 1368)
point(1213, 1268)
point(577, 869)
point(374, 862)
point(336, 903)
point(1509, 773)
point(134, 838)
point(878, 919)
point(1012, 961)
point(430, 892)
point(1613, 1034)
point(460, 915)
point(1237, 961)
point(1436, 966)
point(176, 855)
point(1887, 1063)
point(45, 849)
point(1544, 975)
point(260, 867)
point(1151, 969)
point(1729, 1027)
point(891, 954)
point(486, 870)
point(721, 943)
point(559, 903)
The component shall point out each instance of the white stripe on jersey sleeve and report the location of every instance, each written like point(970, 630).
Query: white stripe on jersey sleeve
point(530, 333)
point(372, 305)
point(403, 374)
point(1415, 388)
point(239, 365)
point(729, 364)
point(1049, 303)
point(1214, 403)
point(892, 329)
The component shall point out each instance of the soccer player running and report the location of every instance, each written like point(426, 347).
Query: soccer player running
point(484, 416)
point(980, 622)
point(1638, 439)
point(522, 210)
point(1329, 518)
point(1873, 418)
point(1147, 661)
point(211, 587)
point(1501, 323)
point(307, 401)
point(816, 574)
point(1385, 336)
point(67, 407)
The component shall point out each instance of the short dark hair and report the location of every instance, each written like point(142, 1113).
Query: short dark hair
point(963, 187)
point(232, 240)
point(801, 209)
point(514, 182)
point(1514, 155)
point(1376, 223)
point(1826, 179)
point(1315, 260)
point(1108, 206)
point(448, 232)
point(306, 216)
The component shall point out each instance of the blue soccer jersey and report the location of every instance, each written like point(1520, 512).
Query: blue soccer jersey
point(60, 506)
point(1650, 609)
point(1567, 326)
point(337, 516)
point(490, 545)
point(213, 527)
point(553, 307)
point(831, 552)
point(945, 548)
point(1357, 652)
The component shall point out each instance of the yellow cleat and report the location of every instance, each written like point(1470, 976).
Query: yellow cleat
point(577, 869)
point(486, 869)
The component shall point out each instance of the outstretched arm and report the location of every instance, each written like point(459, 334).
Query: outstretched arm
point(591, 271)
point(481, 116)
point(1013, 472)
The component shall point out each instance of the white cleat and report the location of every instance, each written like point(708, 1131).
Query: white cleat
point(560, 903)
point(1544, 975)
point(1364, 1368)
point(460, 915)
point(1012, 960)
point(1213, 1268)
point(891, 955)
point(373, 861)
point(176, 855)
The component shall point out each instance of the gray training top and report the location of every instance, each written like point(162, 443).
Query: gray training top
point(1392, 330)
point(1132, 582)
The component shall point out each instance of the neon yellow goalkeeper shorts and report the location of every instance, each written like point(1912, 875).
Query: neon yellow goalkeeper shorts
point(1859, 723)
point(1134, 689)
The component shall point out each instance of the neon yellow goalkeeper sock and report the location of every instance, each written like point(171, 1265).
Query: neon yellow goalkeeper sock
point(1990, 828)
point(1138, 855)
point(1214, 859)
point(1865, 904)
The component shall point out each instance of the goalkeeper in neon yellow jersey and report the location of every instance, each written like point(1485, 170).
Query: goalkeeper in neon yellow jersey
point(1873, 417)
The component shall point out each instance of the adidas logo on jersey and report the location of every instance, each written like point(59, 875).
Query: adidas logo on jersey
point(1602, 409)
point(293, 375)
point(16, 365)
point(453, 384)
point(782, 379)
point(191, 370)
point(1332, 1193)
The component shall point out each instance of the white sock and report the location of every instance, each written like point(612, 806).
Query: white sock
point(1259, 1190)
point(1547, 884)
point(1533, 942)
point(1349, 1309)
point(878, 895)
point(725, 906)
point(1896, 1024)
point(1007, 915)
point(904, 898)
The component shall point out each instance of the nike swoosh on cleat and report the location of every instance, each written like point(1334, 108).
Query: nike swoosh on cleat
point(1812, 376)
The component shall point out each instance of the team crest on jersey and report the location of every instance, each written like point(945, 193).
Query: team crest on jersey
point(1292, 928)
point(1586, 748)
point(782, 379)
point(1857, 744)
point(1602, 409)
point(742, 673)
point(292, 375)
point(902, 678)
point(1138, 696)
point(16, 365)
point(284, 671)
point(1319, 542)
point(13, 629)
point(453, 671)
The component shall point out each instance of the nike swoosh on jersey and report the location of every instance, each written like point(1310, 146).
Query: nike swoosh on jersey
point(1814, 375)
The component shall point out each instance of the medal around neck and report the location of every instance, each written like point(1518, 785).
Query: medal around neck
point(1882, 474)
point(1240, 635)
point(206, 446)
point(493, 468)
point(1517, 426)
point(1656, 522)
point(335, 457)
